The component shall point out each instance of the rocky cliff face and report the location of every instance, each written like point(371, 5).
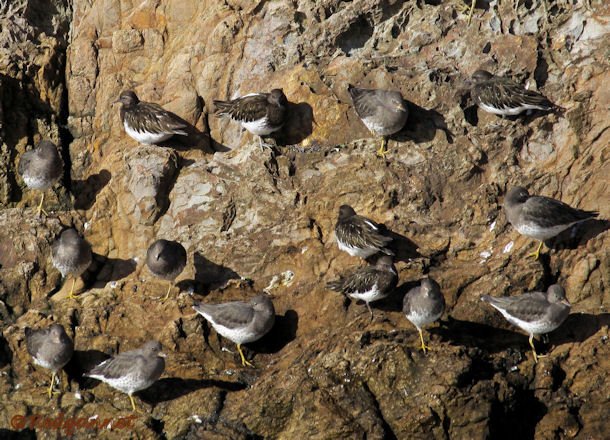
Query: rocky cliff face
point(253, 219)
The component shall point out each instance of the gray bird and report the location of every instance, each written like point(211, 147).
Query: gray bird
point(240, 322)
point(422, 305)
point(504, 97)
point(166, 259)
point(40, 168)
point(384, 112)
point(50, 347)
point(132, 371)
point(259, 113)
point(540, 217)
point(147, 122)
point(368, 283)
point(536, 313)
point(71, 255)
point(358, 235)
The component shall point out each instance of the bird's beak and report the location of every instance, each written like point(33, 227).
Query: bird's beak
point(402, 107)
point(566, 302)
point(163, 355)
point(114, 102)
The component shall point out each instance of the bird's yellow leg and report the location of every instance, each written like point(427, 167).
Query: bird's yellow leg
point(51, 385)
point(472, 5)
point(244, 362)
point(40, 205)
point(536, 355)
point(536, 254)
point(382, 150)
point(169, 289)
point(72, 295)
point(424, 347)
point(133, 403)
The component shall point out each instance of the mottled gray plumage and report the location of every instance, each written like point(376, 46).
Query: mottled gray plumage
point(536, 313)
point(368, 283)
point(132, 371)
point(384, 112)
point(540, 217)
point(50, 347)
point(358, 235)
point(239, 321)
point(42, 166)
point(147, 122)
point(503, 96)
point(424, 304)
point(70, 253)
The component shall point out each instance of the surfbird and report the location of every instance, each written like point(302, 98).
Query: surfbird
point(50, 348)
point(240, 322)
point(368, 283)
point(132, 371)
point(423, 305)
point(540, 217)
point(259, 113)
point(40, 168)
point(384, 112)
point(71, 255)
point(536, 313)
point(505, 97)
point(358, 235)
point(166, 260)
point(147, 122)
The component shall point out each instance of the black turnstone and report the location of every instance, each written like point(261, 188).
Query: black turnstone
point(505, 97)
point(540, 217)
point(423, 305)
point(537, 313)
point(40, 168)
point(259, 113)
point(147, 122)
point(71, 255)
point(359, 236)
point(166, 260)
point(384, 112)
point(50, 348)
point(368, 283)
point(240, 322)
point(132, 371)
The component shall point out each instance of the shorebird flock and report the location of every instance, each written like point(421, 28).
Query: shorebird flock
point(384, 113)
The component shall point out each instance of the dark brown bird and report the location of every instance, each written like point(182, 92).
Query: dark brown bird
point(166, 260)
point(71, 255)
point(132, 371)
point(147, 122)
point(50, 348)
point(259, 113)
point(40, 168)
point(384, 112)
point(360, 236)
point(368, 283)
point(505, 97)
point(541, 217)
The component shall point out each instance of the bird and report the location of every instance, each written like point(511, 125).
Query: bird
point(147, 122)
point(422, 305)
point(40, 168)
point(368, 283)
point(50, 347)
point(536, 313)
point(259, 113)
point(384, 112)
point(360, 236)
point(505, 97)
point(541, 217)
point(132, 371)
point(71, 255)
point(166, 259)
point(240, 322)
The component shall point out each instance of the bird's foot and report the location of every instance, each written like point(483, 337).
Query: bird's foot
point(382, 152)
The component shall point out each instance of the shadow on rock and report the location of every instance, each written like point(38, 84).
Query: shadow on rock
point(393, 302)
point(579, 327)
point(404, 248)
point(421, 126)
point(86, 191)
point(81, 363)
point(194, 140)
point(170, 388)
point(283, 332)
point(209, 275)
point(578, 235)
point(105, 269)
point(24, 434)
point(298, 125)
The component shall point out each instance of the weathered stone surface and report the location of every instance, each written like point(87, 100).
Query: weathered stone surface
point(253, 220)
